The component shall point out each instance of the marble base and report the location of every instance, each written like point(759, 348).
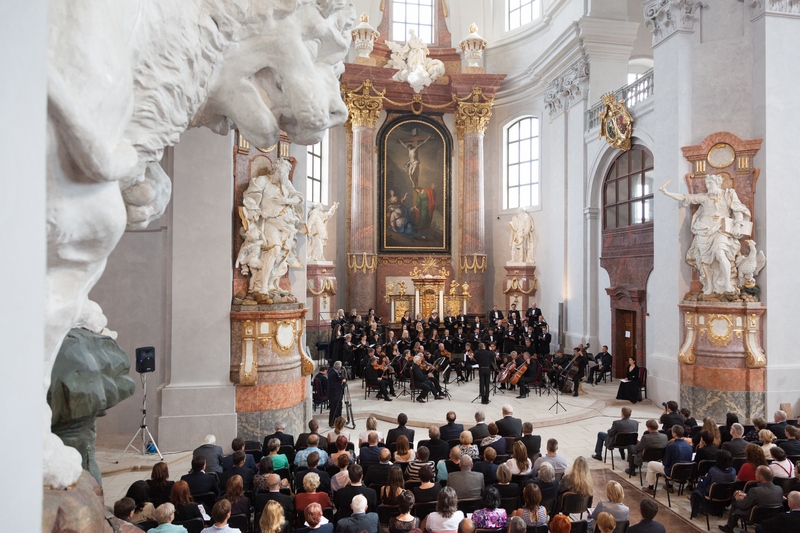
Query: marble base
point(716, 404)
point(79, 508)
point(519, 285)
point(258, 424)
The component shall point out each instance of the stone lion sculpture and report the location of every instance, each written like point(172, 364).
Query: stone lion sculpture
point(125, 80)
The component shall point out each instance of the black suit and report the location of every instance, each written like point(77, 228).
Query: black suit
point(200, 482)
point(648, 526)
point(451, 431)
point(533, 443)
point(479, 432)
point(249, 462)
point(439, 449)
point(324, 480)
point(705, 453)
point(369, 455)
point(286, 501)
point(335, 394)
point(246, 473)
point(495, 317)
point(673, 418)
point(377, 474)
point(779, 429)
point(393, 434)
point(286, 440)
point(508, 426)
point(489, 471)
point(735, 447)
point(780, 524)
point(343, 497)
point(486, 361)
point(302, 441)
point(791, 447)
point(361, 522)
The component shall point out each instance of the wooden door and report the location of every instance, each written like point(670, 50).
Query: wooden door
point(624, 341)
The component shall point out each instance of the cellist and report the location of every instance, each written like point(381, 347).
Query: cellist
point(529, 376)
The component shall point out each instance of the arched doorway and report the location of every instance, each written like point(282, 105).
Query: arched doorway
point(627, 253)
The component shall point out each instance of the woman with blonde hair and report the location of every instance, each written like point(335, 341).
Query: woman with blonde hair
point(606, 523)
point(613, 505)
point(338, 429)
point(310, 494)
point(519, 463)
point(466, 447)
point(372, 427)
point(711, 426)
point(272, 519)
point(403, 452)
point(766, 437)
point(578, 479)
point(504, 485)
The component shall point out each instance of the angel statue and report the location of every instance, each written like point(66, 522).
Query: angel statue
point(720, 220)
point(317, 223)
point(413, 64)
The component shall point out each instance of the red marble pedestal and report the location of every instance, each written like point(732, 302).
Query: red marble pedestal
point(519, 285)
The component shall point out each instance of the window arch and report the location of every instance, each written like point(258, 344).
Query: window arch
point(521, 155)
point(317, 172)
point(521, 12)
point(412, 14)
point(628, 189)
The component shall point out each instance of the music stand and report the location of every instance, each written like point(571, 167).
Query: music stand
point(437, 364)
point(557, 403)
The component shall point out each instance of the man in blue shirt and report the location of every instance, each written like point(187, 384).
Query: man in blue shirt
point(677, 451)
point(301, 457)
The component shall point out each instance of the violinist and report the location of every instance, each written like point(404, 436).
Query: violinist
point(443, 352)
point(423, 379)
point(529, 376)
point(374, 377)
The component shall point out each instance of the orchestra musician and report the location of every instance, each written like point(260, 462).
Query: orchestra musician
point(506, 364)
point(559, 364)
point(423, 379)
point(442, 351)
point(529, 376)
point(376, 375)
point(580, 362)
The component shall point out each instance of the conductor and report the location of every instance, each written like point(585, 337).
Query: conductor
point(336, 384)
point(485, 360)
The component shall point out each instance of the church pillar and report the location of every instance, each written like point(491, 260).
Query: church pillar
point(362, 260)
point(472, 118)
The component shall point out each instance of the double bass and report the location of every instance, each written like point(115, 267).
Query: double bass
point(519, 373)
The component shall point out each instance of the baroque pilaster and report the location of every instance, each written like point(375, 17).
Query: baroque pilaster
point(667, 17)
point(364, 105)
point(759, 8)
point(568, 88)
point(472, 118)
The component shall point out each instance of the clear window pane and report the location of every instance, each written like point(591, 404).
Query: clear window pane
point(525, 150)
point(398, 30)
point(648, 160)
point(527, 13)
point(648, 210)
point(524, 173)
point(514, 5)
point(622, 215)
point(611, 192)
point(525, 195)
point(426, 34)
point(513, 198)
point(412, 14)
point(611, 217)
point(513, 175)
point(535, 148)
point(525, 129)
point(638, 214)
point(513, 153)
point(648, 182)
point(622, 189)
point(513, 132)
point(636, 162)
point(535, 173)
point(522, 160)
point(425, 16)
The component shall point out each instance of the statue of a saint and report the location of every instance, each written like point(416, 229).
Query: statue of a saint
point(273, 211)
point(317, 223)
point(720, 220)
point(522, 236)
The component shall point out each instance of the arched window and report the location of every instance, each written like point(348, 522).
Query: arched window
point(522, 164)
point(628, 189)
point(412, 14)
point(317, 172)
point(521, 12)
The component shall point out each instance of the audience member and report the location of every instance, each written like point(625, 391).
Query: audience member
point(164, 515)
point(447, 517)
point(492, 516)
point(495, 440)
point(301, 457)
point(547, 482)
point(791, 445)
point(279, 460)
point(378, 474)
point(310, 494)
point(578, 479)
point(452, 464)
point(438, 447)
point(651, 439)
point(159, 485)
point(766, 437)
point(313, 468)
point(303, 440)
point(606, 523)
point(341, 449)
point(671, 417)
point(725, 431)
point(360, 519)
point(345, 495)
point(557, 461)
point(560, 524)
point(283, 438)
point(403, 452)
point(372, 427)
point(451, 430)
point(613, 505)
point(779, 427)
point(428, 490)
point(688, 420)
point(519, 464)
point(467, 526)
point(390, 492)
point(401, 429)
point(623, 425)
point(758, 424)
point(236, 445)
point(238, 469)
point(508, 426)
point(706, 450)
point(123, 511)
point(721, 472)
point(274, 494)
point(234, 493)
point(711, 426)
point(532, 512)
point(342, 478)
point(338, 430)
point(754, 457)
point(785, 521)
point(648, 509)
point(781, 466)
point(212, 454)
point(487, 466)
point(185, 506)
point(273, 518)
point(504, 485)
point(412, 471)
point(533, 443)
point(677, 451)
point(735, 444)
point(405, 521)
point(466, 483)
point(466, 447)
point(220, 515)
point(140, 494)
point(764, 494)
point(480, 430)
point(314, 518)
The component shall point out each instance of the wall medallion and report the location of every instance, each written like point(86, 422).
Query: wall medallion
point(616, 124)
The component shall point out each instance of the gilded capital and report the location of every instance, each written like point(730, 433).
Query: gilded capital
point(473, 112)
point(364, 104)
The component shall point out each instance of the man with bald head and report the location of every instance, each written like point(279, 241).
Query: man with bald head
point(466, 483)
point(370, 454)
point(765, 494)
point(274, 494)
point(379, 474)
point(785, 521)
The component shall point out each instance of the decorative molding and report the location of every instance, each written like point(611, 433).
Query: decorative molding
point(363, 108)
point(759, 8)
point(478, 263)
point(686, 353)
point(473, 112)
point(326, 286)
point(666, 17)
point(568, 88)
point(756, 358)
point(369, 262)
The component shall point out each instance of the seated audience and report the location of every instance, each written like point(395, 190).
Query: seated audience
point(547, 482)
point(560, 524)
point(519, 463)
point(791, 445)
point(533, 443)
point(372, 427)
point(492, 516)
point(342, 478)
point(705, 451)
point(313, 467)
point(310, 494)
point(185, 506)
point(238, 469)
point(265, 468)
point(313, 516)
point(453, 464)
point(447, 516)
point(781, 466)
point(613, 505)
point(370, 454)
point(736, 444)
point(762, 495)
point(301, 457)
point(360, 519)
point(234, 493)
point(466, 447)
point(405, 521)
point(495, 440)
point(606, 523)
point(212, 454)
point(779, 427)
point(140, 494)
point(649, 509)
point(401, 429)
point(709, 425)
point(551, 456)
point(273, 519)
point(487, 466)
point(341, 449)
point(785, 521)
point(754, 457)
point(451, 430)
point(280, 434)
point(532, 512)
point(394, 486)
point(338, 430)
point(159, 484)
point(508, 426)
point(721, 472)
point(677, 451)
point(236, 445)
point(466, 483)
point(428, 491)
point(766, 437)
point(725, 431)
point(164, 515)
point(480, 430)
point(403, 452)
point(303, 438)
point(123, 511)
point(578, 479)
point(279, 460)
point(438, 447)
point(379, 474)
point(286, 501)
point(504, 485)
point(758, 424)
point(412, 471)
point(346, 494)
point(220, 515)
point(515, 525)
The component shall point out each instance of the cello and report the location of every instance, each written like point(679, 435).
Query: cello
point(519, 373)
point(507, 372)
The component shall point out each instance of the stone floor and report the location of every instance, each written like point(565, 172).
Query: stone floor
point(575, 426)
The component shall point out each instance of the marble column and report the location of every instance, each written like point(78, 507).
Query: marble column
point(472, 118)
point(364, 108)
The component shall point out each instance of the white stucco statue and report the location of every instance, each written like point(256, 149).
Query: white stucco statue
point(720, 220)
point(125, 79)
point(522, 237)
point(317, 223)
point(413, 64)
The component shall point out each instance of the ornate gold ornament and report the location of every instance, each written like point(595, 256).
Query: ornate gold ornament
point(327, 287)
point(369, 262)
point(453, 287)
point(248, 367)
point(242, 145)
point(478, 263)
point(473, 112)
point(719, 329)
point(516, 286)
point(686, 353)
point(401, 288)
point(756, 358)
point(363, 108)
point(616, 124)
point(721, 155)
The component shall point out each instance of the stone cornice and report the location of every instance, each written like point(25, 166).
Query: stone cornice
point(785, 8)
point(606, 39)
point(568, 88)
point(666, 17)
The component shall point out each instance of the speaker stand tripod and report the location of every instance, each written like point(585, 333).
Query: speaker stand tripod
point(143, 429)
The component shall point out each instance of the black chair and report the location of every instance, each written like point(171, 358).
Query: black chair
point(643, 381)
point(147, 525)
point(680, 473)
point(737, 463)
point(288, 451)
point(520, 479)
point(703, 467)
point(510, 444)
point(319, 396)
point(538, 529)
point(621, 441)
point(580, 526)
point(718, 498)
point(385, 512)
point(549, 506)
point(369, 387)
point(501, 459)
point(411, 485)
point(195, 525)
point(650, 454)
point(490, 530)
point(510, 504)
point(423, 509)
point(207, 499)
point(759, 514)
point(453, 442)
point(785, 483)
point(574, 503)
point(253, 448)
point(470, 505)
point(749, 485)
point(240, 522)
point(621, 527)
point(392, 447)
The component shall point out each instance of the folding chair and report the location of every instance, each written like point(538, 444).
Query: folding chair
point(719, 497)
point(621, 441)
point(650, 454)
point(680, 473)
